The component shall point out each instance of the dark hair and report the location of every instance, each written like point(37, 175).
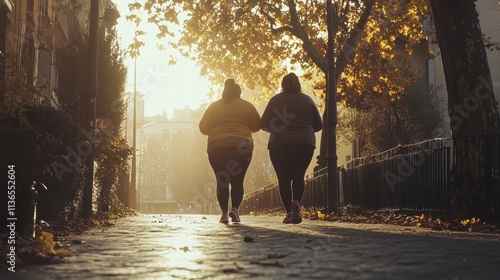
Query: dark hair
point(231, 90)
point(290, 83)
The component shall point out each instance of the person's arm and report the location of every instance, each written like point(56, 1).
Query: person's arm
point(317, 123)
point(205, 123)
point(266, 117)
point(254, 123)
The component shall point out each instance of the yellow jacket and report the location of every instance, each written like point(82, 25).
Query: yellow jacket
point(236, 118)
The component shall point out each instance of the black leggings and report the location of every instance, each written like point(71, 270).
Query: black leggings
point(230, 165)
point(290, 162)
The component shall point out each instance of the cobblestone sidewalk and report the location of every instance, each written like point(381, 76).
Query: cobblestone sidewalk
point(199, 247)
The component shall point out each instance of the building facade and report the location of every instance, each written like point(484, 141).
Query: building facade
point(161, 143)
point(33, 30)
point(30, 33)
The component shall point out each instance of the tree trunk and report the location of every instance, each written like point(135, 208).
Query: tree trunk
point(347, 55)
point(471, 102)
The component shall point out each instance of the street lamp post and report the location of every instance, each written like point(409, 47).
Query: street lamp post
point(90, 108)
point(331, 107)
point(133, 191)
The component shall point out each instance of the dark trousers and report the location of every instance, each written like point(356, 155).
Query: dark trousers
point(290, 162)
point(230, 165)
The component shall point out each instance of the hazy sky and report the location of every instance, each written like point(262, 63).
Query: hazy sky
point(164, 86)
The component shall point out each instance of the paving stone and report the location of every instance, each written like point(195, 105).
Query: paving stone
point(199, 247)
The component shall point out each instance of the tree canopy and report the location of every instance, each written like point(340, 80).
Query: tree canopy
point(257, 42)
point(413, 117)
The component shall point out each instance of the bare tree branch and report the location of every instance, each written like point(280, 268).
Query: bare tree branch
point(317, 58)
point(348, 50)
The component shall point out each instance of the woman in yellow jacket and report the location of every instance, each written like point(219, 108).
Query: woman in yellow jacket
point(229, 123)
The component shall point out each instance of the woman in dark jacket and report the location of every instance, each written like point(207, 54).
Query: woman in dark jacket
point(291, 117)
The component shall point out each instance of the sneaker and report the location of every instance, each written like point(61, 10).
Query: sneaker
point(224, 218)
point(288, 218)
point(235, 218)
point(297, 217)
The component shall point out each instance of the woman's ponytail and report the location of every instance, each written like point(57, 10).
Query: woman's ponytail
point(231, 90)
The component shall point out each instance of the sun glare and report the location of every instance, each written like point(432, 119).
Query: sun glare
point(164, 86)
point(184, 252)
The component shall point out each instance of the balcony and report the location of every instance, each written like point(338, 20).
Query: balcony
point(55, 22)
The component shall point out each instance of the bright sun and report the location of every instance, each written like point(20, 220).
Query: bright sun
point(164, 86)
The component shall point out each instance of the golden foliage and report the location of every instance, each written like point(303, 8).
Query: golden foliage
point(45, 243)
point(420, 221)
point(257, 42)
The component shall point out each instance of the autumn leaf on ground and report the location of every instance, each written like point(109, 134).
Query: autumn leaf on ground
point(320, 215)
point(275, 256)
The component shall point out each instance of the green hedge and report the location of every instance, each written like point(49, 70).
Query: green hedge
point(43, 145)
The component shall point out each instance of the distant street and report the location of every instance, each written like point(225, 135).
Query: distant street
point(199, 247)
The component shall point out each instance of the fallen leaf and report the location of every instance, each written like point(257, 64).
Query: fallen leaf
point(321, 215)
point(275, 256)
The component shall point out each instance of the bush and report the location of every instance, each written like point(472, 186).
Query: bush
point(38, 141)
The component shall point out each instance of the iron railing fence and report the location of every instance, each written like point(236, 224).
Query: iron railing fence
point(265, 200)
point(413, 177)
point(417, 177)
point(268, 198)
point(494, 164)
point(315, 193)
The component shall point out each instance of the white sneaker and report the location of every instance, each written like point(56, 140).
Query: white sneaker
point(224, 218)
point(235, 218)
